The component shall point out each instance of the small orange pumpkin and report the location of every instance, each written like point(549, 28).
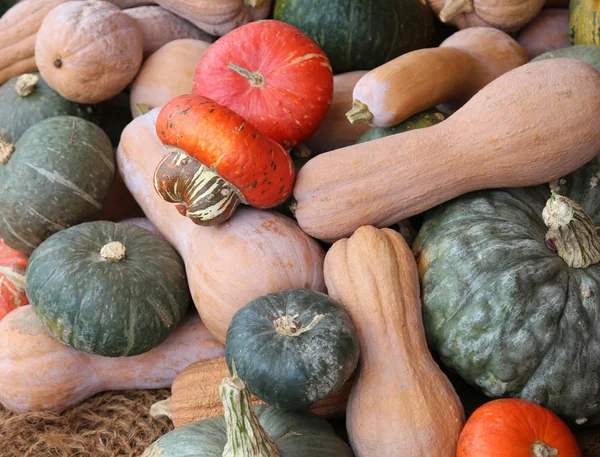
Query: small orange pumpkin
point(516, 428)
point(217, 160)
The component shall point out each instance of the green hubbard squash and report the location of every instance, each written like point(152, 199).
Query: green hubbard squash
point(586, 52)
point(57, 174)
point(511, 291)
point(108, 289)
point(360, 34)
point(292, 348)
point(584, 22)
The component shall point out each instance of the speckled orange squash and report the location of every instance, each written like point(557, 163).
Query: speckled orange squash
point(12, 279)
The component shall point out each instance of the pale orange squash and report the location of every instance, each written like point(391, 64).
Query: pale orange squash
point(547, 32)
point(252, 254)
point(401, 402)
point(166, 74)
point(38, 372)
point(88, 50)
point(507, 135)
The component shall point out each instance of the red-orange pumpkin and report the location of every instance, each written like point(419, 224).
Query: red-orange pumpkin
point(217, 160)
point(271, 74)
point(515, 428)
point(13, 264)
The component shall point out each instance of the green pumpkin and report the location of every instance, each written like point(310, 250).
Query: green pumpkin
point(26, 100)
point(108, 289)
point(114, 116)
point(292, 348)
point(253, 431)
point(587, 52)
point(501, 304)
point(56, 175)
point(584, 22)
point(418, 121)
point(360, 34)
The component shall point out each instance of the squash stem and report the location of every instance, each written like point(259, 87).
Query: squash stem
point(161, 409)
point(253, 3)
point(255, 78)
point(571, 232)
point(6, 150)
point(359, 113)
point(289, 326)
point(25, 84)
point(245, 436)
point(113, 251)
point(141, 109)
point(453, 8)
point(541, 449)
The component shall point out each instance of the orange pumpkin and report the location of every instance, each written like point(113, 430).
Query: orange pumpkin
point(12, 279)
point(515, 428)
point(217, 160)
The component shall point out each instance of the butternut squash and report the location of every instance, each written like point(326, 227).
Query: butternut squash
point(507, 135)
point(160, 26)
point(195, 395)
point(401, 402)
point(19, 27)
point(166, 74)
point(547, 32)
point(466, 61)
point(252, 254)
point(38, 372)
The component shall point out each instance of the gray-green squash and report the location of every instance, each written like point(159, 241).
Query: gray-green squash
point(107, 288)
point(57, 174)
point(511, 291)
point(587, 52)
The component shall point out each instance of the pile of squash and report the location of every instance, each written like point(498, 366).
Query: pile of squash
point(293, 211)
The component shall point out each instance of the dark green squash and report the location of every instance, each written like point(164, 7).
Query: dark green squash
point(56, 175)
point(107, 288)
point(587, 52)
point(292, 348)
point(5, 5)
point(501, 306)
point(114, 116)
point(360, 34)
point(418, 121)
point(246, 431)
point(26, 100)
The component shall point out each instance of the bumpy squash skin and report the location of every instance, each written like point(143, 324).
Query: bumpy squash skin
point(584, 22)
point(295, 434)
point(529, 325)
point(418, 121)
point(586, 52)
point(292, 372)
point(109, 308)
point(360, 35)
point(72, 160)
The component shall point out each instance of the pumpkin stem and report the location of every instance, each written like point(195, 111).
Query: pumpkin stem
point(289, 326)
point(571, 232)
point(453, 8)
point(253, 3)
point(25, 84)
point(245, 436)
point(359, 113)
point(113, 251)
point(541, 449)
point(141, 109)
point(161, 409)
point(6, 150)
point(255, 78)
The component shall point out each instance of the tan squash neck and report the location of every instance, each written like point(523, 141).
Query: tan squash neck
point(541, 449)
point(255, 78)
point(113, 251)
point(25, 84)
point(6, 150)
point(359, 113)
point(453, 8)
point(571, 232)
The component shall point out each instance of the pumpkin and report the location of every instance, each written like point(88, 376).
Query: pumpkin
point(88, 50)
point(516, 428)
point(166, 74)
point(195, 395)
point(508, 16)
point(530, 318)
point(38, 372)
point(144, 223)
point(114, 116)
point(284, 90)
point(469, 60)
point(223, 262)
point(118, 204)
point(160, 27)
point(26, 100)
point(245, 430)
point(292, 348)
point(217, 160)
point(72, 160)
point(360, 34)
point(418, 121)
point(583, 22)
point(401, 402)
point(547, 32)
point(586, 52)
point(12, 279)
point(17, 44)
point(475, 148)
point(108, 289)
